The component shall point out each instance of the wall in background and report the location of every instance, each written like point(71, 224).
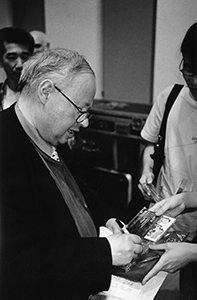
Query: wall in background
point(5, 15)
point(28, 14)
point(128, 49)
point(117, 38)
point(79, 25)
point(76, 24)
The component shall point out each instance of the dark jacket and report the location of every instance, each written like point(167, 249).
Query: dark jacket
point(42, 254)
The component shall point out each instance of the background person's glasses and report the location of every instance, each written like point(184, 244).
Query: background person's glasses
point(83, 114)
point(186, 71)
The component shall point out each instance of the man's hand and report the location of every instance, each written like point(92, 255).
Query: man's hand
point(176, 256)
point(147, 177)
point(172, 206)
point(113, 226)
point(124, 248)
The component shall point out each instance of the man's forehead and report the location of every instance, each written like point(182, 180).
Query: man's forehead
point(14, 47)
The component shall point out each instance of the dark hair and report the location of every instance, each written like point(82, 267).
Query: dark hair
point(189, 47)
point(15, 35)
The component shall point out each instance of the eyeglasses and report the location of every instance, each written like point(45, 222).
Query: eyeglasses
point(83, 114)
point(186, 71)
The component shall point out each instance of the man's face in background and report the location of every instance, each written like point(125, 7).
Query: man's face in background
point(13, 58)
point(40, 40)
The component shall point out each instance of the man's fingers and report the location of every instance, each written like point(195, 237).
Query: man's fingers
point(158, 246)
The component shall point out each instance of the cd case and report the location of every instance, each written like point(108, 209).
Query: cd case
point(149, 226)
point(153, 230)
point(151, 191)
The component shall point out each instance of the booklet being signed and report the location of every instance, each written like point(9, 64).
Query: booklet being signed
point(153, 230)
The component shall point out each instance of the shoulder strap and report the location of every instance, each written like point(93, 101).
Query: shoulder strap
point(171, 98)
point(158, 155)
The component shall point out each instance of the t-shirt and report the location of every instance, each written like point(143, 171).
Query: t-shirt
point(180, 148)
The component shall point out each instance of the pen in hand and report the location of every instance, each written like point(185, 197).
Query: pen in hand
point(122, 226)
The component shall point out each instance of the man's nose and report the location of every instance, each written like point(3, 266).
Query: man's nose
point(85, 123)
point(19, 62)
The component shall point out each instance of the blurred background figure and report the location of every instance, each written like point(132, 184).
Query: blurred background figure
point(16, 46)
point(41, 41)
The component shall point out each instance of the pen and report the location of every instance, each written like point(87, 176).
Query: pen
point(137, 261)
point(157, 256)
point(122, 226)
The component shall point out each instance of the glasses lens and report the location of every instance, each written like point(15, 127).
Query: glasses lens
point(85, 115)
point(186, 70)
point(187, 73)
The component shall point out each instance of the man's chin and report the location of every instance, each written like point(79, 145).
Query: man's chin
point(63, 141)
point(16, 77)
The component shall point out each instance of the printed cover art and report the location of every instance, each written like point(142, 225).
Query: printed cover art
point(149, 226)
point(153, 230)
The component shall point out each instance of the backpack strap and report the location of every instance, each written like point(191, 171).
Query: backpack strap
point(158, 155)
point(171, 99)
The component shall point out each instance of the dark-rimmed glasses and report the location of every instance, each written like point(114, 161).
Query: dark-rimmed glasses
point(186, 71)
point(83, 114)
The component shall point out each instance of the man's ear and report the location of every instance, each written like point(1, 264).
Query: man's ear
point(45, 88)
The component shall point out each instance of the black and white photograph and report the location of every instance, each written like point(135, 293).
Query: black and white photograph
point(98, 147)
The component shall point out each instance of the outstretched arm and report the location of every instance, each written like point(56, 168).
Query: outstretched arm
point(176, 256)
point(175, 204)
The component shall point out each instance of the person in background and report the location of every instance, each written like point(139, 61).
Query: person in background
point(180, 164)
point(16, 46)
point(180, 149)
point(50, 247)
point(41, 41)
